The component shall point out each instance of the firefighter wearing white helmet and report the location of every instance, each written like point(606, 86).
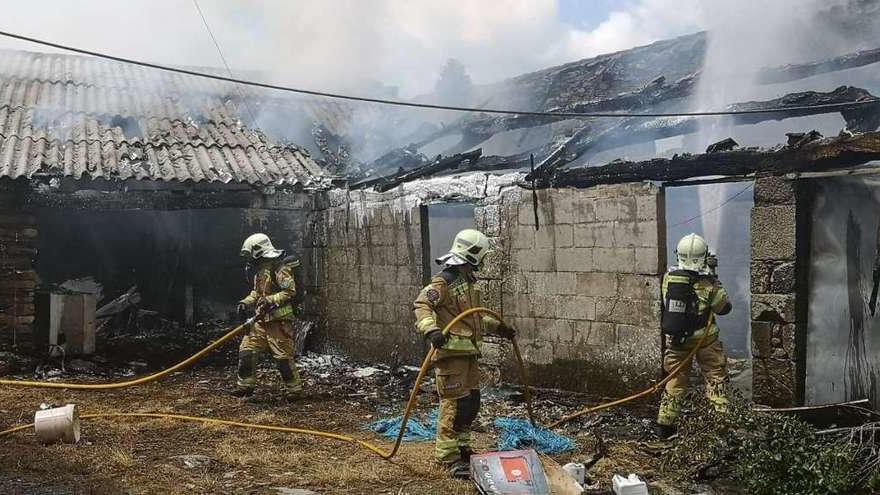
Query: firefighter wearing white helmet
point(692, 296)
point(450, 293)
point(272, 301)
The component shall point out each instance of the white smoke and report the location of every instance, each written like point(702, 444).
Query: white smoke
point(341, 44)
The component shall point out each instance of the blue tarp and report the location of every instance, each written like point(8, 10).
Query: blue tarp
point(416, 431)
point(520, 434)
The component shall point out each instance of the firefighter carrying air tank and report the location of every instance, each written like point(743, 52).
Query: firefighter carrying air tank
point(692, 296)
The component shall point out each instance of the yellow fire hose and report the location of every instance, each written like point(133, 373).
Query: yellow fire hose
point(138, 381)
point(367, 445)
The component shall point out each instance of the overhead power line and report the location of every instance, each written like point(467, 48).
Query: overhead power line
point(381, 101)
point(225, 63)
point(714, 208)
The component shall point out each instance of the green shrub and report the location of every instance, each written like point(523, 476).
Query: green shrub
point(766, 453)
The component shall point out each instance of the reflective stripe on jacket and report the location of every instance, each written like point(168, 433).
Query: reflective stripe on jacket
point(449, 294)
point(266, 290)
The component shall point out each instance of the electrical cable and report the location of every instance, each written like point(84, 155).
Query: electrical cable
point(225, 63)
point(498, 111)
point(715, 208)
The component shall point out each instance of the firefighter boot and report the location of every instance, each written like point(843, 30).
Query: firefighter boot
point(247, 368)
point(290, 379)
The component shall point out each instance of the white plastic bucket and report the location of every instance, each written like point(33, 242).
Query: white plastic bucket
point(577, 471)
point(58, 424)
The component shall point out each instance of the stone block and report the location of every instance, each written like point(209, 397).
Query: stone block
point(544, 237)
point(526, 214)
point(523, 237)
point(773, 307)
point(491, 223)
point(554, 330)
point(597, 333)
point(621, 260)
point(537, 352)
point(542, 306)
point(574, 259)
point(782, 279)
point(628, 311)
point(774, 382)
point(563, 206)
point(583, 235)
point(563, 236)
point(584, 210)
point(576, 307)
point(647, 207)
point(606, 209)
point(603, 234)
point(774, 191)
point(597, 283)
point(535, 260)
point(761, 336)
point(647, 261)
point(760, 277)
point(638, 286)
point(490, 293)
point(773, 233)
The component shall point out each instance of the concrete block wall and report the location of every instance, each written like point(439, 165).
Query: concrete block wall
point(367, 260)
point(18, 239)
point(780, 250)
point(583, 289)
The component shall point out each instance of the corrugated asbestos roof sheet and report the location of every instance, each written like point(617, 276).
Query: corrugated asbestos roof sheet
point(73, 116)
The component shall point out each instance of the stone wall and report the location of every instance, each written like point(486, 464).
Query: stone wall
point(582, 288)
point(368, 264)
point(780, 250)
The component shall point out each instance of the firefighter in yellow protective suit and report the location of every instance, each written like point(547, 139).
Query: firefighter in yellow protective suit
point(457, 371)
point(272, 301)
point(694, 275)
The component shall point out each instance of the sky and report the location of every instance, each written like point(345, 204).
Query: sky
point(340, 44)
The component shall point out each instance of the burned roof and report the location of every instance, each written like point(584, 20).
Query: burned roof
point(83, 117)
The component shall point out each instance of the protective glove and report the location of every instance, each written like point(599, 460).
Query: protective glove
point(265, 308)
point(506, 331)
point(436, 338)
point(242, 311)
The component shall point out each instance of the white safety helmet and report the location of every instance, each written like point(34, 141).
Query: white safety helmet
point(691, 252)
point(469, 246)
point(259, 246)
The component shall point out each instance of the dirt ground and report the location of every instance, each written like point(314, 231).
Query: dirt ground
point(148, 456)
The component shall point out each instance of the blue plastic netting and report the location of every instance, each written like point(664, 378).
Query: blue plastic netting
point(520, 434)
point(416, 431)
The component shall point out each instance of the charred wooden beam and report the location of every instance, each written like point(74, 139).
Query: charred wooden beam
point(823, 154)
point(635, 131)
point(382, 184)
point(793, 72)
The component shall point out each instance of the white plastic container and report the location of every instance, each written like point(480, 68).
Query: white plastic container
point(630, 485)
point(577, 471)
point(58, 424)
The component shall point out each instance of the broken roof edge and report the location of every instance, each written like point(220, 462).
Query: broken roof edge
point(805, 152)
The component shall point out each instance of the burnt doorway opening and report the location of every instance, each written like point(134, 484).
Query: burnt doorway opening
point(444, 221)
point(721, 214)
point(184, 263)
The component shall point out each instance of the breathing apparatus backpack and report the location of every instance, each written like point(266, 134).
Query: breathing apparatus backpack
point(681, 307)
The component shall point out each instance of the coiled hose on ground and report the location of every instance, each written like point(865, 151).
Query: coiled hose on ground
point(407, 412)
